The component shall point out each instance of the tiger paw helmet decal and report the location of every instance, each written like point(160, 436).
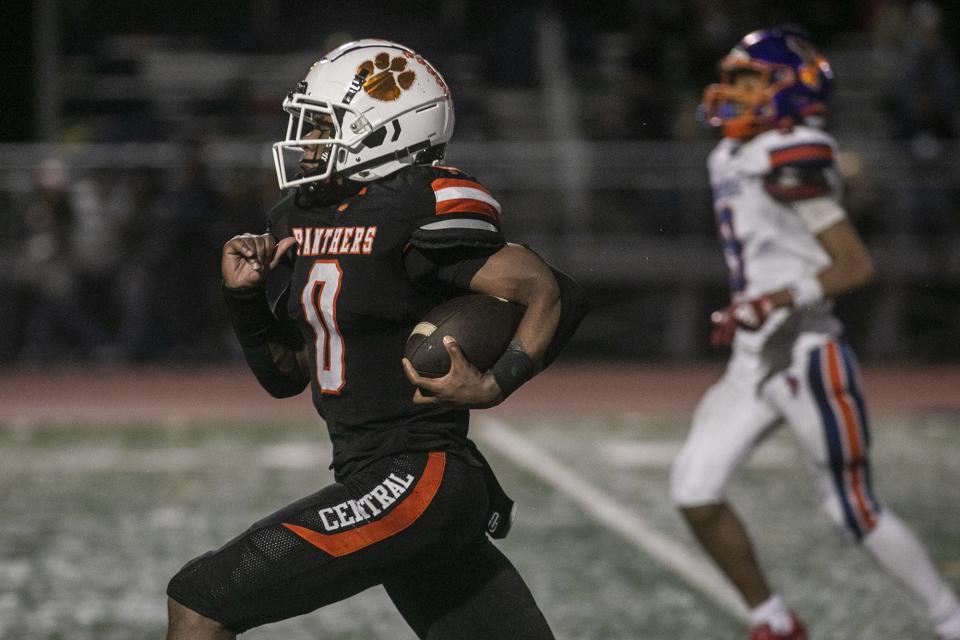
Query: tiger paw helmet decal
point(393, 77)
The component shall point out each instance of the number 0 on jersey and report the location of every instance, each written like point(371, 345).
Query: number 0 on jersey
point(319, 300)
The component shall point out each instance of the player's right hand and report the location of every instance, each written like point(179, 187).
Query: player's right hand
point(463, 386)
point(247, 258)
point(723, 326)
point(744, 314)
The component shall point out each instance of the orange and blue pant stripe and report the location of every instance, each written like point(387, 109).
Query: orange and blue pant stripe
point(834, 382)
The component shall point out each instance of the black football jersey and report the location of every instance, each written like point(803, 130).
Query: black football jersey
point(355, 301)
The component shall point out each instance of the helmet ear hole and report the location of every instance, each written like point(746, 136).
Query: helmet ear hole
point(342, 156)
point(433, 154)
point(376, 138)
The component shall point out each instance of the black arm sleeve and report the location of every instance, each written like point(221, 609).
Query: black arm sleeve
point(269, 344)
point(446, 270)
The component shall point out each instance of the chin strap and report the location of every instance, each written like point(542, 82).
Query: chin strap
point(313, 194)
point(338, 188)
point(397, 155)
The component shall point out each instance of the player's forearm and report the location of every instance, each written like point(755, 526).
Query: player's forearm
point(850, 266)
point(832, 282)
point(539, 324)
point(555, 305)
point(552, 317)
point(845, 276)
point(277, 365)
point(277, 368)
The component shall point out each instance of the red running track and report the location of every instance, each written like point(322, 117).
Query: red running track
point(142, 394)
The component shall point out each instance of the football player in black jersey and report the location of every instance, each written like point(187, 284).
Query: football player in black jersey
point(373, 235)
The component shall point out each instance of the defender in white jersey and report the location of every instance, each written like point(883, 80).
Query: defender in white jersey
point(790, 249)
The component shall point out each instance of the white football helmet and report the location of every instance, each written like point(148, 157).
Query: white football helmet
point(389, 108)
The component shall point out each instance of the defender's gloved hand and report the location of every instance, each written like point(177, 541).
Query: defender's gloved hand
point(745, 314)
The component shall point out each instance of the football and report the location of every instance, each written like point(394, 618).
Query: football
point(482, 325)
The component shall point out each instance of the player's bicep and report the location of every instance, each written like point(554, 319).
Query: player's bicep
point(819, 214)
point(843, 244)
point(801, 171)
point(851, 265)
point(455, 212)
point(517, 274)
point(808, 184)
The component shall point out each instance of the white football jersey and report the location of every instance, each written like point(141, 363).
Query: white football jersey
point(770, 243)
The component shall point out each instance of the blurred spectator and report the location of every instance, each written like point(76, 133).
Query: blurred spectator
point(924, 102)
point(189, 274)
point(928, 85)
point(111, 263)
point(141, 261)
point(102, 207)
point(59, 327)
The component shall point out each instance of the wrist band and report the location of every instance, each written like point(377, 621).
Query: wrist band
point(512, 369)
point(806, 291)
point(249, 314)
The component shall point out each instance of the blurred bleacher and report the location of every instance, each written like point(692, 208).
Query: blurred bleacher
point(590, 144)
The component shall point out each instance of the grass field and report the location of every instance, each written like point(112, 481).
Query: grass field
point(94, 521)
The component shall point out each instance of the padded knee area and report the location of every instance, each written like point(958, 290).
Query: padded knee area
point(690, 483)
point(182, 619)
point(189, 590)
point(477, 596)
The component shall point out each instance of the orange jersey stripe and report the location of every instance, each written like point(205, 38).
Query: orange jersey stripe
point(802, 153)
point(468, 205)
point(402, 516)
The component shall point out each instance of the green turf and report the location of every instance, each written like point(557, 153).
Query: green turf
point(94, 521)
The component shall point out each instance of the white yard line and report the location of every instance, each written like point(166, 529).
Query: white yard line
point(615, 516)
point(120, 459)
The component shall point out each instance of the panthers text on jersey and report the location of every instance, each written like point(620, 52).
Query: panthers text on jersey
point(768, 228)
point(355, 302)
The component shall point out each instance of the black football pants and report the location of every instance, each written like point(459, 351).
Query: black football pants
point(412, 522)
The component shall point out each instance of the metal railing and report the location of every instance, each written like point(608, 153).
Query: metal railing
point(643, 240)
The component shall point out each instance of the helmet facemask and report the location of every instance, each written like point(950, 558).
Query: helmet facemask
point(306, 116)
point(744, 113)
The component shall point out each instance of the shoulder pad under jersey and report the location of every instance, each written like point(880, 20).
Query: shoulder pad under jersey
point(802, 147)
point(460, 212)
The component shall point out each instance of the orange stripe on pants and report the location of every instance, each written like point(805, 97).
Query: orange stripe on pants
point(402, 516)
point(856, 457)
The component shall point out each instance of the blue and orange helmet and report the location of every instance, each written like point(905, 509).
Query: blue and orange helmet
point(797, 81)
